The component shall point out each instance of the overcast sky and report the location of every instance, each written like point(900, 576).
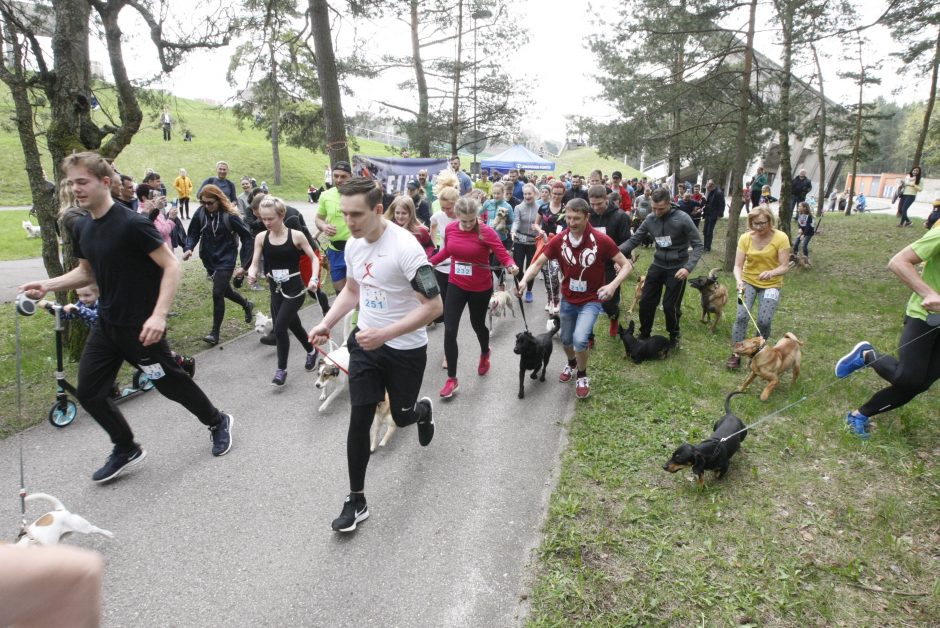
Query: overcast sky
point(559, 68)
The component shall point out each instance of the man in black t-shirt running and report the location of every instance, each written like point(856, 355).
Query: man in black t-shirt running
point(137, 275)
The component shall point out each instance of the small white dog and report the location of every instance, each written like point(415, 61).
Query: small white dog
point(263, 324)
point(53, 526)
point(383, 416)
point(31, 230)
point(330, 372)
point(499, 302)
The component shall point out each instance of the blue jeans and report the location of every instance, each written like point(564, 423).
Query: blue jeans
point(577, 323)
point(906, 201)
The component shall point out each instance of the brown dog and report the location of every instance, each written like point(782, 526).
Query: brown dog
point(714, 296)
point(770, 362)
point(640, 282)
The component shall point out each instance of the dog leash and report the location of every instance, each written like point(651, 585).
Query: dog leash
point(279, 287)
point(327, 356)
point(751, 316)
point(19, 413)
point(933, 320)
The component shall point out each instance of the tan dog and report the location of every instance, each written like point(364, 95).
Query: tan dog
point(714, 296)
point(383, 416)
point(640, 282)
point(499, 222)
point(770, 362)
point(499, 303)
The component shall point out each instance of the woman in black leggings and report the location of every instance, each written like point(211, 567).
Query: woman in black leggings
point(281, 248)
point(217, 228)
point(917, 366)
point(468, 244)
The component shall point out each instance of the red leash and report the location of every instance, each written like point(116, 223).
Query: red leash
point(327, 356)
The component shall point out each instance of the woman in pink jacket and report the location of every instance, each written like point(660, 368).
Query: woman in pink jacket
point(468, 244)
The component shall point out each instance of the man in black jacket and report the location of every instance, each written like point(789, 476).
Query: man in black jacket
point(714, 209)
point(673, 232)
point(799, 189)
point(615, 223)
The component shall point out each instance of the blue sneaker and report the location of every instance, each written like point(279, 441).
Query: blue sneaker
point(528, 296)
point(853, 360)
point(859, 424)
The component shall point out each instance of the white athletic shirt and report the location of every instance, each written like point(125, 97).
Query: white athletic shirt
point(441, 220)
point(384, 270)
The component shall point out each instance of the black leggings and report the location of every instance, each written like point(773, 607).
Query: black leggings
point(443, 280)
point(105, 350)
point(916, 368)
point(222, 289)
point(284, 312)
point(522, 254)
point(184, 207)
point(478, 303)
point(498, 269)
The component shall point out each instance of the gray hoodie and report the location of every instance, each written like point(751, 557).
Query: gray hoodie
point(673, 234)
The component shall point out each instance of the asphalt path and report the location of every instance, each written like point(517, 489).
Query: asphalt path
point(245, 540)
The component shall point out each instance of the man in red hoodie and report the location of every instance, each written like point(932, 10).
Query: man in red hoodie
point(582, 252)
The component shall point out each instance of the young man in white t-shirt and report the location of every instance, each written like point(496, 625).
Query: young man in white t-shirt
point(390, 279)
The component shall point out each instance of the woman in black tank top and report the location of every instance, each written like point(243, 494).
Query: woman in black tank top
point(281, 248)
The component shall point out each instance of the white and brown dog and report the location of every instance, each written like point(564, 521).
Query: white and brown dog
point(332, 369)
point(383, 416)
point(499, 303)
point(32, 231)
point(53, 526)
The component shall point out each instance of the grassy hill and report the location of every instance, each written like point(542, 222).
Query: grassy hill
point(584, 159)
point(217, 137)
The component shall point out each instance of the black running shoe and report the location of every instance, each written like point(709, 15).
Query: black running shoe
point(188, 365)
point(118, 462)
point(268, 339)
point(354, 511)
point(221, 435)
point(426, 422)
point(212, 338)
point(249, 311)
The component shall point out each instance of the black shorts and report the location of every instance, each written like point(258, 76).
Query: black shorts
point(398, 371)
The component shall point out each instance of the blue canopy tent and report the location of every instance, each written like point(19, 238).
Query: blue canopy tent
point(517, 156)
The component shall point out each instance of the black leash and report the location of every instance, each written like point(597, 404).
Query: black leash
point(522, 308)
point(19, 412)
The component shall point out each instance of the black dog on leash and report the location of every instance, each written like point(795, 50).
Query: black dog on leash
point(654, 347)
point(534, 353)
point(712, 454)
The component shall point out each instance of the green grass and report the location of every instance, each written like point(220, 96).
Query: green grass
point(217, 137)
point(585, 159)
point(14, 243)
point(807, 517)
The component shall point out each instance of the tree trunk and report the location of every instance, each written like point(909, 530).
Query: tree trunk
point(820, 138)
point(785, 8)
point(275, 114)
point(455, 115)
point(333, 121)
point(928, 112)
point(741, 156)
point(422, 136)
point(858, 129)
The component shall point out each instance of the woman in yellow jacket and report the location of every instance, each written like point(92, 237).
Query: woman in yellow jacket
point(762, 258)
point(184, 187)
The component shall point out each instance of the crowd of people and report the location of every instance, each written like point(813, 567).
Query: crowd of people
point(410, 262)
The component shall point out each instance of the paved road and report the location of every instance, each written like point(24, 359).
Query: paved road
point(244, 540)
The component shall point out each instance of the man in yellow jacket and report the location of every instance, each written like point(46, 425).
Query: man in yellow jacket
point(184, 187)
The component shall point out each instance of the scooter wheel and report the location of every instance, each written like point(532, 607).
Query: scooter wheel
point(62, 414)
point(142, 381)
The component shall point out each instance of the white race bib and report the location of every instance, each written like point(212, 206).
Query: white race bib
point(463, 269)
point(153, 371)
point(577, 285)
point(374, 299)
point(663, 241)
point(280, 275)
point(772, 294)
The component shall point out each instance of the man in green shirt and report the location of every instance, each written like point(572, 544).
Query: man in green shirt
point(917, 366)
point(427, 186)
point(330, 221)
point(484, 183)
